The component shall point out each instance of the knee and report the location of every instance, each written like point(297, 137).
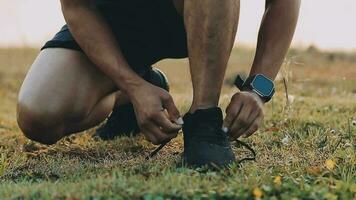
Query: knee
point(38, 124)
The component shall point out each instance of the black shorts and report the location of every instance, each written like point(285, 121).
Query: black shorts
point(147, 31)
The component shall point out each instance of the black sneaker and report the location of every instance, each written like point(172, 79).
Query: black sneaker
point(122, 121)
point(205, 144)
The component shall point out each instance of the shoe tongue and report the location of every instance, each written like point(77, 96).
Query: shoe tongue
point(206, 116)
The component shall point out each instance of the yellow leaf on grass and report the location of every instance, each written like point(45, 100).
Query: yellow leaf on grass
point(257, 193)
point(313, 170)
point(330, 196)
point(278, 180)
point(330, 164)
point(353, 188)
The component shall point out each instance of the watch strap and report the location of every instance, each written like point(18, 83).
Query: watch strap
point(244, 85)
point(239, 82)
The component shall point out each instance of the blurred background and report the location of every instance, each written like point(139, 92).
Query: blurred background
point(326, 24)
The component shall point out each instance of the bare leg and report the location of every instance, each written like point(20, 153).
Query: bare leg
point(211, 28)
point(63, 93)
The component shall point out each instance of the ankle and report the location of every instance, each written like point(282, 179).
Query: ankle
point(196, 107)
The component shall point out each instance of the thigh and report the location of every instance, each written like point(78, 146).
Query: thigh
point(63, 83)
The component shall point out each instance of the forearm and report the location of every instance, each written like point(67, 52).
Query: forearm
point(275, 36)
point(98, 42)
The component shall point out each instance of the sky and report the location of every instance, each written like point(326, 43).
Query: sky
point(328, 24)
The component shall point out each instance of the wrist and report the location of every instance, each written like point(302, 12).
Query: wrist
point(258, 84)
point(130, 84)
point(256, 95)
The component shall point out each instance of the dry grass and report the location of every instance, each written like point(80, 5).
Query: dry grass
point(294, 143)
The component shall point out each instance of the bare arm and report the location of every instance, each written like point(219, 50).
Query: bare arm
point(276, 33)
point(245, 111)
point(98, 42)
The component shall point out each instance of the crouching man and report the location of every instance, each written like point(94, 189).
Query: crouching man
point(100, 63)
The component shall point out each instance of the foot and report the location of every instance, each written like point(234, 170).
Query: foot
point(122, 120)
point(205, 144)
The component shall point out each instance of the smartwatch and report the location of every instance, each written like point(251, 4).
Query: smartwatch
point(259, 84)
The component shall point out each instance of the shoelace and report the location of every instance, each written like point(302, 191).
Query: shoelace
point(238, 142)
point(239, 84)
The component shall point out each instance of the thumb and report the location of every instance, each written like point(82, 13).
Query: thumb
point(172, 110)
point(231, 112)
point(227, 122)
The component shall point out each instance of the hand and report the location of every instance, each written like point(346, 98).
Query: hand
point(150, 103)
point(244, 115)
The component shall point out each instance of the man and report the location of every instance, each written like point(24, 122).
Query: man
point(102, 60)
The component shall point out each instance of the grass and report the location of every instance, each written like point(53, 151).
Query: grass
point(306, 148)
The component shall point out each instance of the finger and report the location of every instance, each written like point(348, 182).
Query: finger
point(148, 136)
point(232, 112)
point(254, 126)
point(241, 122)
point(159, 136)
point(172, 110)
point(148, 132)
point(255, 111)
point(166, 125)
point(250, 121)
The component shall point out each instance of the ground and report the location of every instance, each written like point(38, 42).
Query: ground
point(305, 149)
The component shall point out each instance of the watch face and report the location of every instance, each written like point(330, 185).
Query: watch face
point(262, 85)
